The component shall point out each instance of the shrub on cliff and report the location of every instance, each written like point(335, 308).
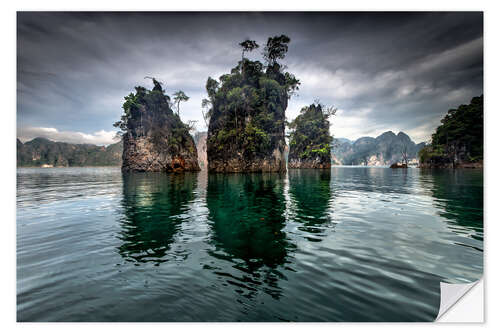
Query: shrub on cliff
point(247, 107)
point(459, 138)
point(310, 138)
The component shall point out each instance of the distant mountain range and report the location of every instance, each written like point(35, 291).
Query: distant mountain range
point(41, 151)
point(385, 149)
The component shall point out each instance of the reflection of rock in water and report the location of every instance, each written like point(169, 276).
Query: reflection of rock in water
point(247, 216)
point(311, 195)
point(153, 204)
point(460, 195)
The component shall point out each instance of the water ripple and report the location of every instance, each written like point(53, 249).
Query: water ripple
point(347, 244)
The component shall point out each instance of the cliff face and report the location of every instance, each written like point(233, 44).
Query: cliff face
point(154, 137)
point(458, 142)
point(41, 151)
point(246, 132)
point(200, 139)
point(310, 140)
point(143, 154)
point(385, 149)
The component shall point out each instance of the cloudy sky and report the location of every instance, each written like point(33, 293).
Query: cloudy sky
point(383, 71)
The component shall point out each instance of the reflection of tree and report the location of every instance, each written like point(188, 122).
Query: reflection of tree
point(247, 215)
point(310, 191)
point(460, 194)
point(153, 204)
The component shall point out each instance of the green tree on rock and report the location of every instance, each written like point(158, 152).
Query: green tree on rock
point(276, 48)
point(180, 96)
point(248, 46)
point(310, 138)
point(246, 111)
point(459, 138)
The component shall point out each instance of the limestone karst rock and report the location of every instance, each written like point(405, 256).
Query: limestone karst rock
point(246, 132)
point(200, 138)
point(154, 137)
point(310, 139)
point(383, 150)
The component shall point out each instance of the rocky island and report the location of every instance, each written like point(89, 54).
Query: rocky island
point(154, 137)
point(246, 112)
point(458, 142)
point(310, 138)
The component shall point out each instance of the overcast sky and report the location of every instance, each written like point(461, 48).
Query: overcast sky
point(383, 71)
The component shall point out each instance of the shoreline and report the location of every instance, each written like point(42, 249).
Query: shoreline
point(68, 167)
point(332, 167)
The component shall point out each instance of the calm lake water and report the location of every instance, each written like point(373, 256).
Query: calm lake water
point(346, 244)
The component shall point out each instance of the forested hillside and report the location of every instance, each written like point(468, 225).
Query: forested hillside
point(458, 141)
point(40, 151)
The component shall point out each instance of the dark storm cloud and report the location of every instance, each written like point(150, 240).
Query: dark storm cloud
point(384, 71)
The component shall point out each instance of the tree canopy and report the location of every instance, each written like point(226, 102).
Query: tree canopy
point(246, 107)
point(460, 133)
point(276, 48)
point(310, 137)
point(180, 96)
point(248, 46)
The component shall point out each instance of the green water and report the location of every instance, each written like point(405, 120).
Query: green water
point(346, 244)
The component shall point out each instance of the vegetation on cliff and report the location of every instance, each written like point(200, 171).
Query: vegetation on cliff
point(459, 138)
point(310, 137)
point(154, 137)
point(41, 151)
point(246, 109)
point(149, 112)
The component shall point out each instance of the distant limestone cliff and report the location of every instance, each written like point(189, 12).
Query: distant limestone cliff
point(43, 152)
point(154, 137)
point(310, 139)
point(246, 108)
point(385, 149)
point(200, 139)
